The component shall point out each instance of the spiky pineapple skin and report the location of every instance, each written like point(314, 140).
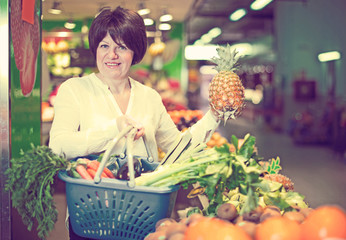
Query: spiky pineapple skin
point(226, 94)
point(285, 181)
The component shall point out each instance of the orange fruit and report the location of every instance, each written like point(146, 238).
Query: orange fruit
point(278, 228)
point(325, 222)
point(207, 228)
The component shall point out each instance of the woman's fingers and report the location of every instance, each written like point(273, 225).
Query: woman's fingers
point(140, 133)
point(124, 121)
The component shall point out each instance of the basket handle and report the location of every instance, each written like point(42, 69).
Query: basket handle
point(105, 157)
point(129, 142)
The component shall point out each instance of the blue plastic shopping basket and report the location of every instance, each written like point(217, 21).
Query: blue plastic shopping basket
point(116, 209)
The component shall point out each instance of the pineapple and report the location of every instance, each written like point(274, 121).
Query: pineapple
point(226, 92)
point(285, 181)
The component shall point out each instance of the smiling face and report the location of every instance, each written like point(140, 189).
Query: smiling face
point(113, 60)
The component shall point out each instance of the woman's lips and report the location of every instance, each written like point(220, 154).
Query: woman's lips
point(112, 64)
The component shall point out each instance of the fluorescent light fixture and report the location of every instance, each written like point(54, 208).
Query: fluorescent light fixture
point(166, 17)
point(243, 48)
point(206, 52)
point(214, 32)
point(329, 56)
point(70, 24)
point(63, 34)
point(198, 42)
point(164, 26)
point(102, 8)
point(85, 29)
point(142, 9)
point(238, 14)
point(148, 21)
point(56, 9)
point(259, 4)
point(206, 38)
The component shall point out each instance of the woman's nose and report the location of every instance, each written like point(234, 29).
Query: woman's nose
point(113, 53)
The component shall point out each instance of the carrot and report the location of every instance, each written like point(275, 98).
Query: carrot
point(104, 175)
point(108, 172)
point(92, 172)
point(94, 164)
point(83, 172)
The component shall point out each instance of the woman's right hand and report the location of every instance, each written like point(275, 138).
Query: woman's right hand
point(124, 121)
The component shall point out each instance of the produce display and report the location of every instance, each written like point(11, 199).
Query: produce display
point(226, 91)
point(185, 118)
point(324, 222)
point(248, 197)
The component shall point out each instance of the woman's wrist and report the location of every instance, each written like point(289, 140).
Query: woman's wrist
point(215, 114)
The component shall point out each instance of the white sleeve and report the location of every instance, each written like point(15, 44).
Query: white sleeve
point(65, 136)
point(201, 131)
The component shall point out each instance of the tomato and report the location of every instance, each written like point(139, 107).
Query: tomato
point(207, 228)
point(278, 228)
point(325, 222)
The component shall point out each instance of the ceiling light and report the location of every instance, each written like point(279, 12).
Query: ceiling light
point(206, 38)
point(101, 9)
point(238, 14)
point(329, 56)
point(85, 29)
point(214, 32)
point(198, 42)
point(142, 10)
point(166, 17)
point(56, 8)
point(164, 26)
point(259, 4)
point(200, 52)
point(243, 48)
point(148, 21)
point(70, 24)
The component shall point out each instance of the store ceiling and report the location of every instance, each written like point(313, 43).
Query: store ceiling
point(199, 15)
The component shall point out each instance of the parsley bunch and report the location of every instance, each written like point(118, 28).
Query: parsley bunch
point(30, 180)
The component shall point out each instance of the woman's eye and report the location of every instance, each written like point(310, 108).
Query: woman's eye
point(122, 47)
point(103, 46)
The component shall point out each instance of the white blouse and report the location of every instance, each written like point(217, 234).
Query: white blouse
point(85, 114)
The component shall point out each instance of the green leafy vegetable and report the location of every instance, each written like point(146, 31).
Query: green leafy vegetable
point(234, 177)
point(215, 169)
point(30, 178)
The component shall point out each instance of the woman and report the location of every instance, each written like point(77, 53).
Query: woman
point(88, 109)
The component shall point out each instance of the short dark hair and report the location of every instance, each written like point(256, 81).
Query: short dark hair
point(123, 25)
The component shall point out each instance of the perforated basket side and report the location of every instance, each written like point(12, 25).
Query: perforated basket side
point(105, 213)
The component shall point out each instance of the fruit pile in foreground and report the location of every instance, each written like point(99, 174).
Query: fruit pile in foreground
point(324, 222)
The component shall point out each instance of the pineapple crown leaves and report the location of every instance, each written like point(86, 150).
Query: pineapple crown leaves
point(227, 60)
point(274, 166)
